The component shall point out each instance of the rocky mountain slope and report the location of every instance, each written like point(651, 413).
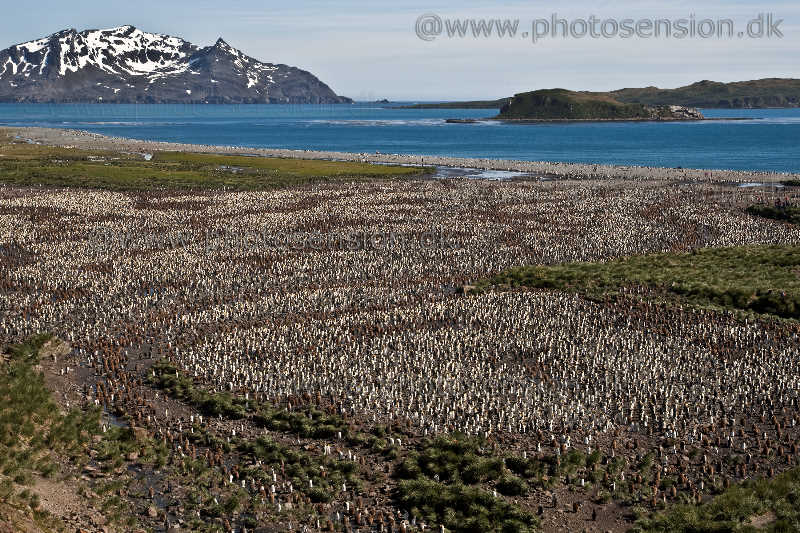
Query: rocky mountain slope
point(127, 65)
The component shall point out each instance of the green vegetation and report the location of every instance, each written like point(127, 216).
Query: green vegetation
point(560, 104)
point(769, 505)
point(32, 428)
point(785, 214)
point(25, 164)
point(769, 92)
point(35, 436)
point(282, 169)
point(461, 508)
point(305, 421)
point(326, 473)
point(757, 279)
point(181, 387)
point(440, 484)
point(452, 459)
point(791, 183)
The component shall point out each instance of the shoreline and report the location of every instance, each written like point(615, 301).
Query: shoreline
point(605, 120)
point(534, 121)
point(80, 139)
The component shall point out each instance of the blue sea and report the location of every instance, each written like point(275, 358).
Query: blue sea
point(768, 139)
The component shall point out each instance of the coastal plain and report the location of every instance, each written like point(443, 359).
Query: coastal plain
point(223, 338)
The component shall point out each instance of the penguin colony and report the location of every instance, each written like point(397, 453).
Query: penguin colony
point(378, 331)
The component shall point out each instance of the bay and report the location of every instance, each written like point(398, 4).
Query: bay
point(766, 140)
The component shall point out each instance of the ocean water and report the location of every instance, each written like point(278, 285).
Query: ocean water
point(768, 139)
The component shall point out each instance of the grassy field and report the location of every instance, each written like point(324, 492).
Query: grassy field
point(38, 440)
point(757, 279)
point(24, 164)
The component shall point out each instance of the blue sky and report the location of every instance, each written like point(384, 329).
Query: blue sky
point(369, 49)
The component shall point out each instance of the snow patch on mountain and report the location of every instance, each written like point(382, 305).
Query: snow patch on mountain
point(34, 46)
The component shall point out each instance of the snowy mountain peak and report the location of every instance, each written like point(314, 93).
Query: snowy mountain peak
point(225, 48)
point(126, 64)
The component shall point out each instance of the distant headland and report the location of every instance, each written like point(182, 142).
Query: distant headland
point(764, 93)
point(563, 105)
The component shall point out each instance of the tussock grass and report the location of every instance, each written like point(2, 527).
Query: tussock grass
point(771, 504)
point(181, 387)
point(301, 467)
point(462, 508)
point(442, 484)
point(34, 434)
point(755, 279)
point(784, 213)
point(31, 424)
point(306, 422)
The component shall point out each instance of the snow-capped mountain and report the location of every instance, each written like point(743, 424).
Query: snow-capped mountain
point(127, 65)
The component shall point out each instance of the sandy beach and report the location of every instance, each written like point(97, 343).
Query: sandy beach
point(94, 141)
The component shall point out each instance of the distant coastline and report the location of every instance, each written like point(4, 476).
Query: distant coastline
point(767, 93)
point(579, 120)
point(587, 120)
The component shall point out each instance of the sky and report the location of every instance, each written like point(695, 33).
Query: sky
point(370, 50)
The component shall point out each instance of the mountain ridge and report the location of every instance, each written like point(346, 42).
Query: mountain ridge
point(127, 65)
point(761, 93)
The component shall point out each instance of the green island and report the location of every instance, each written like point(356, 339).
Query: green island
point(561, 104)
